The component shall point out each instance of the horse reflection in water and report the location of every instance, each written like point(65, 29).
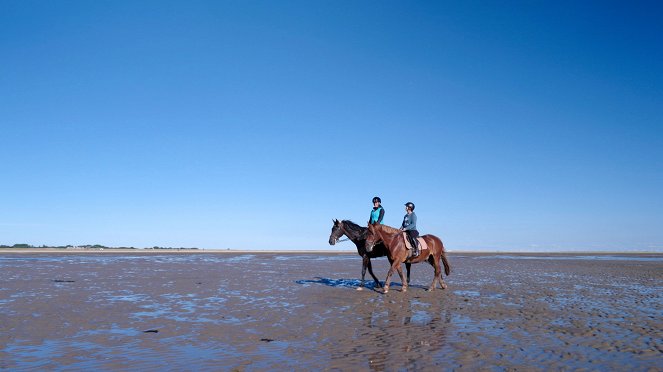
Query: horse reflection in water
point(407, 334)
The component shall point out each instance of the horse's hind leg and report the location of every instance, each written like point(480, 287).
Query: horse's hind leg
point(370, 271)
point(407, 268)
point(364, 263)
point(438, 272)
point(438, 269)
point(443, 285)
point(447, 269)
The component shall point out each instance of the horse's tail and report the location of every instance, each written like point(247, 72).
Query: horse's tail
point(445, 262)
point(438, 242)
point(443, 256)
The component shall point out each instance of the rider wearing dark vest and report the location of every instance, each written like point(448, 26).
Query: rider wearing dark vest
point(377, 214)
point(410, 227)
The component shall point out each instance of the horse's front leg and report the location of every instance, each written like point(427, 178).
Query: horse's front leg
point(370, 270)
point(395, 266)
point(399, 268)
point(387, 281)
point(438, 274)
point(407, 267)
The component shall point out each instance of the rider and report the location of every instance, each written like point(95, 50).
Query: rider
point(410, 227)
point(377, 214)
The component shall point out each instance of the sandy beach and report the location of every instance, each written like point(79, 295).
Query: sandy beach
point(301, 311)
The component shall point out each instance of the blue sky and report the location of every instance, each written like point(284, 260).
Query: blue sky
point(251, 125)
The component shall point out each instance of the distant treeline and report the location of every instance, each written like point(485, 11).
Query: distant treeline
point(86, 246)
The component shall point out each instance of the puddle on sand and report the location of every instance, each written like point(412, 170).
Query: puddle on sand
point(644, 258)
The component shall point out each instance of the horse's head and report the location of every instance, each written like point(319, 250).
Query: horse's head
point(372, 236)
point(336, 232)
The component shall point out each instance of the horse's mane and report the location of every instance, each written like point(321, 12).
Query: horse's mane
point(390, 230)
point(354, 227)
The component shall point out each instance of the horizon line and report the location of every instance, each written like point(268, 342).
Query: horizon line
point(290, 251)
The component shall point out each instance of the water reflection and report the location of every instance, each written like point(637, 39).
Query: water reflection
point(405, 333)
point(345, 283)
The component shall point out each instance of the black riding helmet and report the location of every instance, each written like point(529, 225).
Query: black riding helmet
point(410, 205)
point(377, 199)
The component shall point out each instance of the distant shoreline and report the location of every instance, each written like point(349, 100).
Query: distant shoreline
point(141, 251)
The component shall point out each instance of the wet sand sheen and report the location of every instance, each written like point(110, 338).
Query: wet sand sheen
point(266, 311)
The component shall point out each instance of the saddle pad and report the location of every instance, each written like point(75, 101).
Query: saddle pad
point(422, 242)
point(407, 241)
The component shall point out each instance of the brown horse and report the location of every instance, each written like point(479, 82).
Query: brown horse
point(357, 235)
point(398, 253)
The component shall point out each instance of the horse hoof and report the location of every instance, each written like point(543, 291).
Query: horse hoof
point(360, 288)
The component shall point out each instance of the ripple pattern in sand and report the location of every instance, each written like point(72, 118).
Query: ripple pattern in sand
point(302, 312)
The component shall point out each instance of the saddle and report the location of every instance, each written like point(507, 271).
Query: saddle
point(422, 243)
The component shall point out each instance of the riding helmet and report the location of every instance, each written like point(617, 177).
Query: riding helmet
point(377, 199)
point(410, 205)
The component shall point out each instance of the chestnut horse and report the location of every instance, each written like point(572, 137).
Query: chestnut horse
point(357, 235)
point(398, 253)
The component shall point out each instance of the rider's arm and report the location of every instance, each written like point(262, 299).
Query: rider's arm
point(413, 223)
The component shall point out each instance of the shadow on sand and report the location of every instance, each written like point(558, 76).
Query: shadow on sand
point(349, 283)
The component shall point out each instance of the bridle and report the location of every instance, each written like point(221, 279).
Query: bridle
point(338, 240)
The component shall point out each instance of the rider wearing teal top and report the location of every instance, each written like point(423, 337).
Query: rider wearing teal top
point(377, 214)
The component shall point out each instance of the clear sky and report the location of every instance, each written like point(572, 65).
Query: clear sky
point(524, 125)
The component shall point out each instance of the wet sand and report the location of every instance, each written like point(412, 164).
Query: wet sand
point(301, 311)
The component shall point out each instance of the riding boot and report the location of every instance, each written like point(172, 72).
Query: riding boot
point(415, 248)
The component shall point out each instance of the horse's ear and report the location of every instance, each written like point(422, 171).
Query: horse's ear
point(335, 221)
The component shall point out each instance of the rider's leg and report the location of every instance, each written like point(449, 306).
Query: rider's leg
point(413, 234)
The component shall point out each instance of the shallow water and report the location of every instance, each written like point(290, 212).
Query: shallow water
point(302, 312)
point(603, 257)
